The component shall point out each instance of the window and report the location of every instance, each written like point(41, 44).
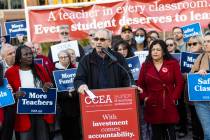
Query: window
point(17, 4)
point(3, 4)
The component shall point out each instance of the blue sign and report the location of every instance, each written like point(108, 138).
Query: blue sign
point(38, 61)
point(6, 96)
point(187, 61)
point(16, 27)
point(36, 101)
point(134, 65)
point(191, 30)
point(177, 56)
point(198, 87)
point(64, 79)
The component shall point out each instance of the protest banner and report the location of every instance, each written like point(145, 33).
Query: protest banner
point(64, 79)
point(38, 61)
point(64, 46)
point(134, 65)
point(112, 115)
point(6, 96)
point(36, 101)
point(177, 56)
point(13, 28)
point(142, 56)
point(161, 15)
point(187, 60)
point(191, 30)
point(198, 87)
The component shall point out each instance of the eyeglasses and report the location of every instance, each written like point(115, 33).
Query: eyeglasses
point(139, 35)
point(206, 41)
point(64, 33)
point(192, 44)
point(177, 33)
point(170, 45)
point(101, 39)
point(63, 57)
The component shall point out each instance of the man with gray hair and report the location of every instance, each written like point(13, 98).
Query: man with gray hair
point(8, 55)
point(97, 70)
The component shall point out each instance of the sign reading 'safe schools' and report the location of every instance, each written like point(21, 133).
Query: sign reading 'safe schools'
point(199, 87)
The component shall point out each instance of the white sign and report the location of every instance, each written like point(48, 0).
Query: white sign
point(64, 46)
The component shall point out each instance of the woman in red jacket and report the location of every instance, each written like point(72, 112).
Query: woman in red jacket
point(24, 73)
point(162, 83)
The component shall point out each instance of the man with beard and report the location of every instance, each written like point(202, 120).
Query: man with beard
point(178, 37)
point(127, 35)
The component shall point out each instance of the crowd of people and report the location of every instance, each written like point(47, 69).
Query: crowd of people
point(165, 110)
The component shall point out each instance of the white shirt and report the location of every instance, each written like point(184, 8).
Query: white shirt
point(26, 79)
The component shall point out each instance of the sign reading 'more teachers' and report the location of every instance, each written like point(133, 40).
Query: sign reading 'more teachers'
point(36, 101)
point(198, 87)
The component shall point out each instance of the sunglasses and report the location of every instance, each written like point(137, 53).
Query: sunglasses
point(139, 35)
point(170, 45)
point(101, 39)
point(192, 44)
point(64, 33)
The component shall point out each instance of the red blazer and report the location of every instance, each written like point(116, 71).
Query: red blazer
point(22, 122)
point(1, 115)
point(162, 88)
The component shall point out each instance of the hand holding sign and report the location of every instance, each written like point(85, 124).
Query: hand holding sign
point(19, 94)
point(46, 86)
point(202, 72)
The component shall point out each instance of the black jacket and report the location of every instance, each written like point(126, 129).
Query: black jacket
point(88, 71)
point(69, 105)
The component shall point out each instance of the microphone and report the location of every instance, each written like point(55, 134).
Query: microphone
point(114, 59)
point(109, 54)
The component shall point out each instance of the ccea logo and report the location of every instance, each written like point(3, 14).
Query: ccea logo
point(103, 99)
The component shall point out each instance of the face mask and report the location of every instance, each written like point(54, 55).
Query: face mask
point(139, 39)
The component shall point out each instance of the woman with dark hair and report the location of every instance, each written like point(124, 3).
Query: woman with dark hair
point(68, 101)
point(162, 83)
point(123, 48)
point(141, 39)
point(25, 73)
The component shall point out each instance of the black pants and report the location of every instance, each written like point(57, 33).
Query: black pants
point(8, 124)
point(197, 130)
point(70, 128)
point(183, 122)
point(163, 132)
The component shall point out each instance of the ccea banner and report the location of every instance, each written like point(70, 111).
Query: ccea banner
point(6, 96)
point(134, 65)
point(112, 115)
point(64, 79)
point(14, 28)
point(198, 87)
point(36, 101)
point(159, 15)
point(187, 61)
point(191, 30)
